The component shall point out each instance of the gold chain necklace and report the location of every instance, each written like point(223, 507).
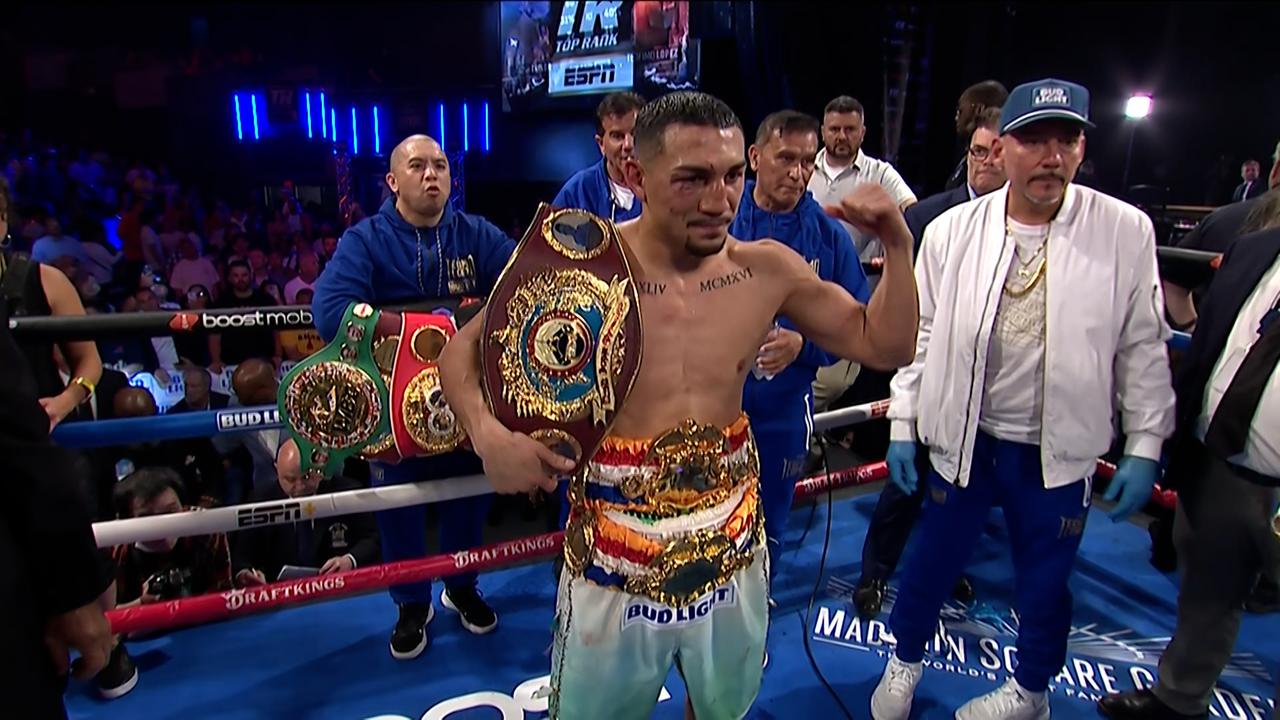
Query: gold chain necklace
point(1024, 270)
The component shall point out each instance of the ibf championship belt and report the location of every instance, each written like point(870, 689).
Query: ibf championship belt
point(373, 391)
point(421, 421)
point(562, 338)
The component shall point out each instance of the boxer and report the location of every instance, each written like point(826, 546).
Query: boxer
point(665, 557)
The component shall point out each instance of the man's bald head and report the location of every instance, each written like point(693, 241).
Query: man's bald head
point(406, 147)
point(134, 402)
point(419, 178)
point(254, 382)
point(289, 472)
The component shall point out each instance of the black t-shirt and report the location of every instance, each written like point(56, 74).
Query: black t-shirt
point(247, 343)
point(196, 565)
point(1215, 233)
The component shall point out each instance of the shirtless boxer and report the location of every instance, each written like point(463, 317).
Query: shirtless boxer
point(644, 597)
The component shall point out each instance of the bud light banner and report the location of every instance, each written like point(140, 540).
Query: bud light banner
point(572, 48)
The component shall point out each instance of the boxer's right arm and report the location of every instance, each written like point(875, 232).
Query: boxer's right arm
point(513, 462)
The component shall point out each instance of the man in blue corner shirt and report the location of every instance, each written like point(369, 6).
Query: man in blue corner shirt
point(418, 248)
point(600, 189)
point(777, 396)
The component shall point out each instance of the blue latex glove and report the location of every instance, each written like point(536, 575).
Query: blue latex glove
point(901, 460)
point(1133, 482)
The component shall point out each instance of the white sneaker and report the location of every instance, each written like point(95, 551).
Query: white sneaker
point(892, 698)
point(1010, 701)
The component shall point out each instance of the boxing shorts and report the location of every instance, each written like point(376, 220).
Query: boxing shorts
point(665, 561)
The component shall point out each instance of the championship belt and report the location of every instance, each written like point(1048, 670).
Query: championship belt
point(421, 423)
point(562, 338)
point(334, 402)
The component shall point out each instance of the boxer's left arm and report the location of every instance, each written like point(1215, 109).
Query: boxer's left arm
point(881, 334)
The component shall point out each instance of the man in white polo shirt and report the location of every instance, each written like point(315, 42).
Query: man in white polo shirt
point(1040, 317)
point(842, 165)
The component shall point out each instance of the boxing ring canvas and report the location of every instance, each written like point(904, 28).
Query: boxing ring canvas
point(330, 660)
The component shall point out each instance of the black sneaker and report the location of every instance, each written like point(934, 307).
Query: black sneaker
point(119, 676)
point(410, 638)
point(868, 598)
point(474, 613)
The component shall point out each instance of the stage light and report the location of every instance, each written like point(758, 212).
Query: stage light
point(307, 97)
point(486, 126)
point(239, 125)
point(377, 133)
point(324, 118)
point(1138, 107)
point(440, 113)
point(333, 124)
point(466, 129)
point(253, 103)
point(355, 135)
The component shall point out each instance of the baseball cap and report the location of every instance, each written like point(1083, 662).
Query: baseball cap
point(1044, 100)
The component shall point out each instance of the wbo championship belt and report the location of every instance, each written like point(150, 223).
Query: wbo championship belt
point(562, 340)
point(373, 391)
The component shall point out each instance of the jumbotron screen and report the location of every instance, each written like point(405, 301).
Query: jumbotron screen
point(555, 50)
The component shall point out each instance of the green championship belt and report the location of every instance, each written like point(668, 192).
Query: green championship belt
point(562, 337)
point(334, 402)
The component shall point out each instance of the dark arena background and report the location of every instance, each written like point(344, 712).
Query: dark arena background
point(260, 132)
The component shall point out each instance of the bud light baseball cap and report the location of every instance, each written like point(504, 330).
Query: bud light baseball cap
point(1044, 100)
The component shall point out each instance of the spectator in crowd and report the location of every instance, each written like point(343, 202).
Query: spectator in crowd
point(254, 383)
point(1216, 233)
point(245, 342)
point(239, 248)
point(1250, 186)
point(99, 258)
point(308, 273)
point(55, 245)
point(278, 270)
point(147, 298)
point(973, 102)
point(842, 166)
point(193, 349)
point(257, 260)
point(193, 459)
point(158, 570)
point(296, 345)
point(325, 546)
point(197, 395)
point(273, 291)
point(327, 247)
point(192, 269)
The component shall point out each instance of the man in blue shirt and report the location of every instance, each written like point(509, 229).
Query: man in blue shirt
point(777, 396)
point(417, 248)
point(602, 189)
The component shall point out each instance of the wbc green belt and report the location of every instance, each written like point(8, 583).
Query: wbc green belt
point(334, 402)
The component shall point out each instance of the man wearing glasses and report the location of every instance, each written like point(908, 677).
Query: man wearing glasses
point(897, 510)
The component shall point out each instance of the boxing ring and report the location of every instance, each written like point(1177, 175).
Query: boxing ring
point(324, 653)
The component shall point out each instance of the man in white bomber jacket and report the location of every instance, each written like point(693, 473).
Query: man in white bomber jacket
point(1040, 316)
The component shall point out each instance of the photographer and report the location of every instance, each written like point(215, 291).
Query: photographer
point(158, 570)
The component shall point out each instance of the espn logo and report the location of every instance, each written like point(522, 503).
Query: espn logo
point(269, 514)
point(604, 72)
point(591, 74)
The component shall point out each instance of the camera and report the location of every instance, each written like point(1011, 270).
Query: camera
point(170, 584)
